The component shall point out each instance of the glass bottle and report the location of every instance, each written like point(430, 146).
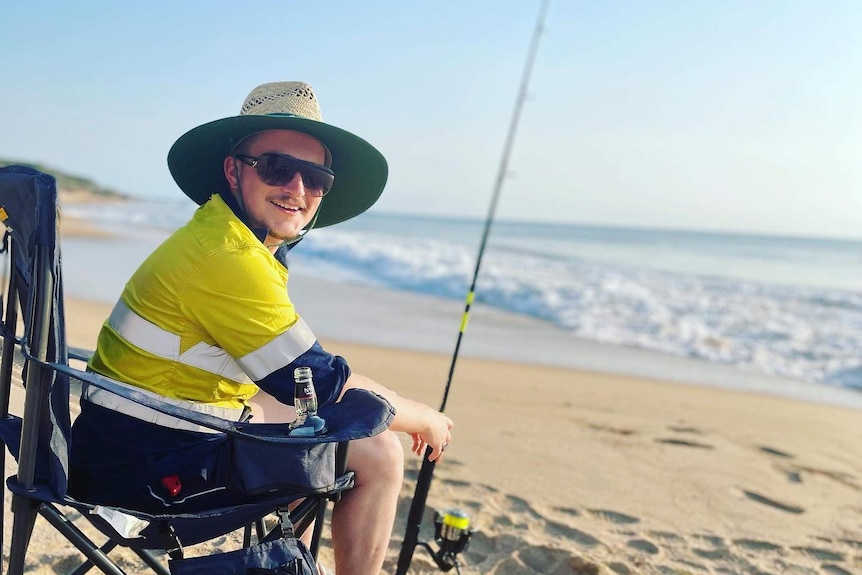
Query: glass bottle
point(304, 396)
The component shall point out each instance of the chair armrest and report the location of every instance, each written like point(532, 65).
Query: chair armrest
point(359, 414)
point(80, 354)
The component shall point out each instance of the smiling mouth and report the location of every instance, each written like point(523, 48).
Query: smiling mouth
point(287, 207)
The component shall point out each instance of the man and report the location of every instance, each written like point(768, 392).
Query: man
point(206, 323)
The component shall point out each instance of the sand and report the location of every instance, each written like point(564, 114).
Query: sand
point(573, 471)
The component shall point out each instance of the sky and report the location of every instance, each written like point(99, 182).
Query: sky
point(742, 116)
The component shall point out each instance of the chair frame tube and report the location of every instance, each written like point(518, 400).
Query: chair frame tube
point(6, 364)
point(24, 510)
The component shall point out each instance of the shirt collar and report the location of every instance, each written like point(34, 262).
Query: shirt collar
point(259, 232)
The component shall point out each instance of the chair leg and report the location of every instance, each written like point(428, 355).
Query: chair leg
point(23, 519)
point(2, 504)
point(259, 531)
point(87, 565)
point(320, 516)
point(150, 559)
point(79, 539)
point(303, 514)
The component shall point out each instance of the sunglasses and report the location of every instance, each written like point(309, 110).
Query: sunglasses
point(279, 169)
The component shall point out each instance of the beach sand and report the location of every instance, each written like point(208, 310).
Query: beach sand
point(568, 470)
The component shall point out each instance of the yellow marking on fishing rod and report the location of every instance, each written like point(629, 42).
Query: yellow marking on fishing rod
point(466, 315)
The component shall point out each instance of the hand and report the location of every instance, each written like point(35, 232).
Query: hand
point(437, 434)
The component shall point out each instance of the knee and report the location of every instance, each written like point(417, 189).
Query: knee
point(381, 457)
point(388, 454)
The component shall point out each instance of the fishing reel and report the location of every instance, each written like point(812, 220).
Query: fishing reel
point(452, 534)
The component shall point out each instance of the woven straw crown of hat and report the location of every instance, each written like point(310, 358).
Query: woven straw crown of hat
point(295, 98)
point(196, 159)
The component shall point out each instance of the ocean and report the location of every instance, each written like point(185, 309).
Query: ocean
point(787, 307)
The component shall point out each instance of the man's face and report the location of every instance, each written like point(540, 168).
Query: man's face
point(283, 210)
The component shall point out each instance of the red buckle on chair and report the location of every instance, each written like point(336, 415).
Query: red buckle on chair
point(172, 484)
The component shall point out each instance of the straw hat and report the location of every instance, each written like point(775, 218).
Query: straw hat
point(196, 158)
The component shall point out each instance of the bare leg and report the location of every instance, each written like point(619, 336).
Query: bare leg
point(362, 520)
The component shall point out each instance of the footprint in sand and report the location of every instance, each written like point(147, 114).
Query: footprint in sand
point(713, 540)
point(718, 550)
point(794, 477)
point(608, 428)
point(504, 521)
point(834, 570)
point(667, 537)
point(620, 568)
point(684, 429)
point(569, 533)
point(644, 545)
point(794, 472)
point(718, 554)
point(845, 479)
point(540, 559)
point(820, 554)
point(773, 503)
point(525, 558)
point(481, 546)
point(456, 483)
point(520, 505)
point(684, 443)
point(613, 516)
point(756, 545)
point(775, 452)
point(567, 511)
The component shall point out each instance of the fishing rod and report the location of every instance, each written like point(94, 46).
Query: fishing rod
point(452, 529)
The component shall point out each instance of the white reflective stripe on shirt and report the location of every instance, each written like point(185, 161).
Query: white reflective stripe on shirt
point(131, 408)
point(214, 360)
point(142, 333)
point(157, 341)
point(278, 353)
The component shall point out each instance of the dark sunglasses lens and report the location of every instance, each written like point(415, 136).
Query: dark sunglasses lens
point(317, 181)
point(277, 170)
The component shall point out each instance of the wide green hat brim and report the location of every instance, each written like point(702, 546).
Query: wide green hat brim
point(196, 162)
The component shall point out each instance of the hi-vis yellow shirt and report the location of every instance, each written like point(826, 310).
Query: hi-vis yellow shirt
point(207, 318)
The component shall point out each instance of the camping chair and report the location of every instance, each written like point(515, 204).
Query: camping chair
point(34, 344)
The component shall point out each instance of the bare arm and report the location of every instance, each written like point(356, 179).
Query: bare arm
point(426, 425)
